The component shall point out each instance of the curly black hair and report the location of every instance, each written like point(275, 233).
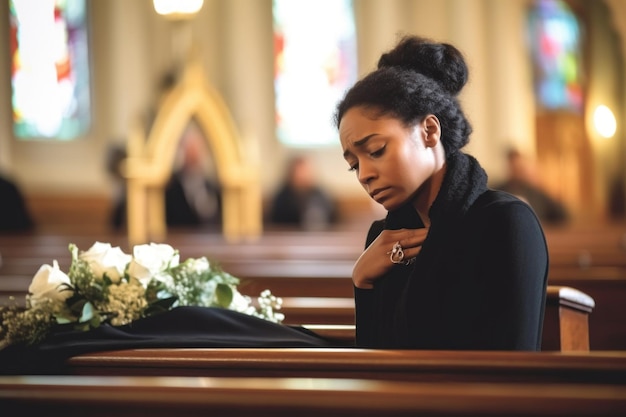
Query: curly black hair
point(416, 78)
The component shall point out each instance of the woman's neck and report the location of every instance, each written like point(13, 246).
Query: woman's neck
point(428, 193)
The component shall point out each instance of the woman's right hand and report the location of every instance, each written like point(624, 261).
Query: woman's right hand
point(375, 261)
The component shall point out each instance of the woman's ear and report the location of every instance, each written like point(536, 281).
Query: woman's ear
point(432, 129)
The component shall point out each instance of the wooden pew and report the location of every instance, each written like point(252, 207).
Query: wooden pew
point(379, 364)
point(569, 247)
point(583, 258)
point(611, 235)
point(607, 286)
point(329, 292)
point(567, 315)
point(577, 242)
point(64, 396)
point(287, 258)
point(566, 321)
point(586, 246)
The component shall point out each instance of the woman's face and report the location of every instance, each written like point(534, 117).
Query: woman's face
point(392, 161)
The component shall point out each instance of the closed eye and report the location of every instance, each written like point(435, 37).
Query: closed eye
point(378, 152)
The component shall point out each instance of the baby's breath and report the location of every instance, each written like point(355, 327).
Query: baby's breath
point(126, 302)
point(30, 325)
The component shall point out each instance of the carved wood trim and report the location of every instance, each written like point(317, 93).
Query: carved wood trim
point(150, 161)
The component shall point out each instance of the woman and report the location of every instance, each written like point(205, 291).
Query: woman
point(453, 265)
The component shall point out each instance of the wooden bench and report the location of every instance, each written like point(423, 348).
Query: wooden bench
point(63, 396)
point(24, 253)
point(288, 264)
point(607, 286)
point(611, 235)
point(567, 311)
point(329, 291)
point(583, 258)
point(566, 321)
point(395, 365)
point(581, 245)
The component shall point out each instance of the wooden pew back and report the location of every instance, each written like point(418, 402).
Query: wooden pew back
point(278, 397)
point(396, 365)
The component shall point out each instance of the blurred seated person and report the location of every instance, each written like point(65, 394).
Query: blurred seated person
point(191, 197)
point(115, 158)
point(14, 214)
point(300, 202)
point(523, 183)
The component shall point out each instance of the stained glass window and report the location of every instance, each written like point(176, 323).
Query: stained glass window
point(555, 42)
point(50, 69)
point(315, 62)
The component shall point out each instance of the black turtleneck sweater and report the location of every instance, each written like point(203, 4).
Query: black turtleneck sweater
point(479, 282)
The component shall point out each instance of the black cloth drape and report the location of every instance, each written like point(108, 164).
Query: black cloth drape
point(182, 327)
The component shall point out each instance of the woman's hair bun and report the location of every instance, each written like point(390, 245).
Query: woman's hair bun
point(441, 62)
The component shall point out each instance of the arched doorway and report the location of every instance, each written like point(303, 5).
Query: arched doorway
point(150, 160)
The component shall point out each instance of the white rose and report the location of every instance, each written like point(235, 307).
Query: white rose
point(48, 283)
point(106, 260)
point(241, 303)
point(150, 260)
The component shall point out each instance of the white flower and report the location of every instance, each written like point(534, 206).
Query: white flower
point(241, 303)
point(199, 265)
point(49, 282)
point(150, 260)
point(106, 260)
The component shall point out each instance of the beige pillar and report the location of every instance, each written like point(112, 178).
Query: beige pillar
point(511, 85)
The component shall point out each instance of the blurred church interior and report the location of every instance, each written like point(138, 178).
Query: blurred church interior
point(224, 62)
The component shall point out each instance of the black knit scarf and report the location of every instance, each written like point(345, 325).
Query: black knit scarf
point(464, 181)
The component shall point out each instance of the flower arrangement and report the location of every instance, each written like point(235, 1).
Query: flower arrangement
point(106, 285)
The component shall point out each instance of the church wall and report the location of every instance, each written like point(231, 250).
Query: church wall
point(132, 48)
